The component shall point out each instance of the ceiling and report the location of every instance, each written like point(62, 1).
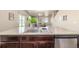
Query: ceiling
point(43, 13)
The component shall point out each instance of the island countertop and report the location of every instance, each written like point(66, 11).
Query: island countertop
point(53, 31)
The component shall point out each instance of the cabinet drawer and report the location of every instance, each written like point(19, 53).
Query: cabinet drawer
point(25, 39)
point(41, 38)
point(27, 45)
point(38, 38)
point(47, 44)
point(10, 45)
point(9, 39)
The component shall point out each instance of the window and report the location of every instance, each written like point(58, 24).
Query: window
point(46, 20)
point(64, 17)
point(21, 24)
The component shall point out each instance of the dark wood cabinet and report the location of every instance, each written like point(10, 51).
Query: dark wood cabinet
point(30, 41)
point(44, 41)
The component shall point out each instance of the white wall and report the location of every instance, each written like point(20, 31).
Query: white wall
point(5, 24)
point(72, 22)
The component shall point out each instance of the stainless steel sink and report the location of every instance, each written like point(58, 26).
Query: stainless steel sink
point(36, 30)
point(32, 30)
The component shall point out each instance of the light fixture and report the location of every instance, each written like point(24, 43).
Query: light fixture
point(39, 14)
point(40, 10)
point(46, 14)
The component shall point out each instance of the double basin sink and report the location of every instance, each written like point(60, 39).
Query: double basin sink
point(36, 30)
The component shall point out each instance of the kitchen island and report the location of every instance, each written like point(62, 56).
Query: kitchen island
point(14, 39)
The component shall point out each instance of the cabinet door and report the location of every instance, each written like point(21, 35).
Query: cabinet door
point(45, 41)
point(41, 38)
point(10, 42)
point(10, 39)
point(25, 39)
point(38, 41)
point(27, 42)
point(48, 44)
point(10, 45)
point(38, 38)
point(27, 45)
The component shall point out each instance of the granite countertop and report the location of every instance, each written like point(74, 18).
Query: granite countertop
point(53, 31)
point(17, 32)
point(60, 31)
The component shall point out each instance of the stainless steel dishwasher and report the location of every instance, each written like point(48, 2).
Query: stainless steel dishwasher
point(66, 41)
